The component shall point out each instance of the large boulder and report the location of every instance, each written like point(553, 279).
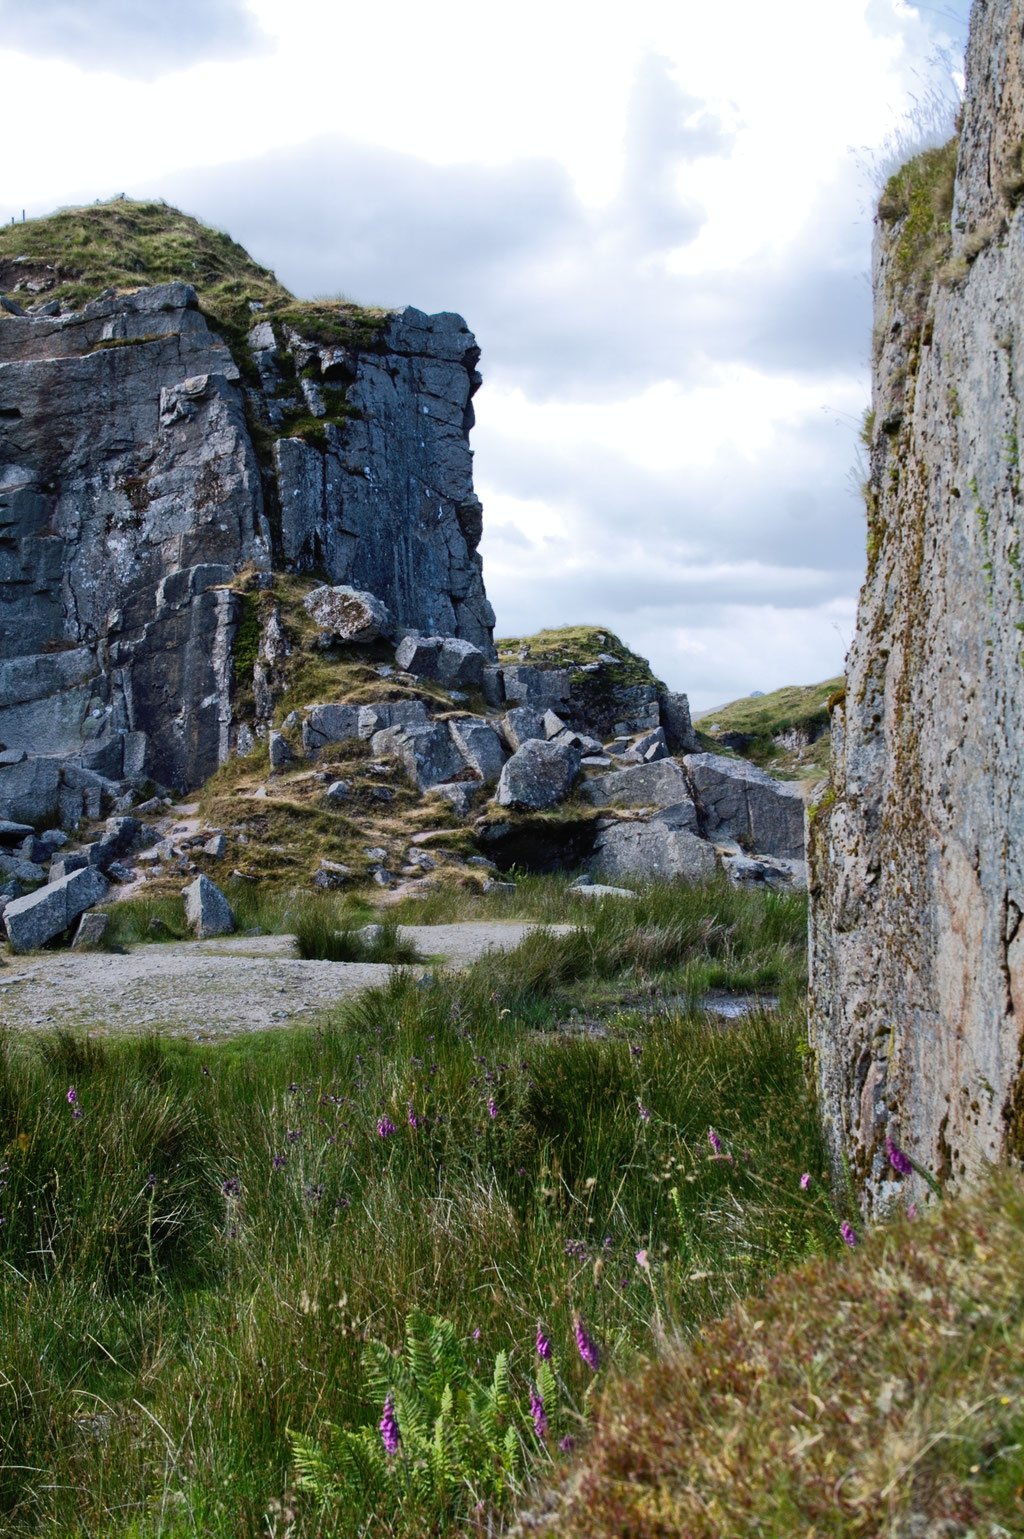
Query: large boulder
point(348, 614)
point(742, 802)
point(30, 791)
point(326, 724)
point(480, 746)
point(207, 911)
point(33, 920)
point(538, 775)
point(452, 662)
point(521, 724)
point(390, 713)
point(427, 751)
point(662, 784)
point(654, 851)
point(539, 687)
point(674, 710)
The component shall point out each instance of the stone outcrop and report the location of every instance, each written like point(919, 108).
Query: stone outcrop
point(917, 845)
point(132, 495)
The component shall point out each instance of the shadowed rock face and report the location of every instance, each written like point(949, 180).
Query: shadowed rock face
point(917, 851)
point(131, 495)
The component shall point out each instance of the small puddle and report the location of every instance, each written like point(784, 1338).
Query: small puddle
point(732, 1006)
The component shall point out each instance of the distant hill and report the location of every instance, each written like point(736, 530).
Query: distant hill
point(787, 731)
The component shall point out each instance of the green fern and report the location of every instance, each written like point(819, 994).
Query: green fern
point(466, 1441)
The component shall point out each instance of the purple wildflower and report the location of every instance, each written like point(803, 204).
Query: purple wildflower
point(567, 1444)
point(586, 1344)
point(414, 1121)
point(492, 1108)
point(389, 1426)
point(150, 1181)
point(897, 1159)
point(76, 1112)
point(805, 1180)
point(279, 1162)
point(714, 1141)
point(385, 1126)
point(476, 1334)
point(232, 1186)
point(642, 1109)
point(294, 1134)
point(72, 1095)
point(537, 1411)
point(912, 1210)
point(642, 1261)
point(543, 1344)
point(848, 1233)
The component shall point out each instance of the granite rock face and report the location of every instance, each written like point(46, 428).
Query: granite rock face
point(129, 495)
point(917, 849)
point(132, 495)
point(739, 801)
point(652, 851)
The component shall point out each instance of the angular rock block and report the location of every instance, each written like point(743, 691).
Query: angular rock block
point(347, 614)
point(766, 816)
point(91, 930)
point(674, 710)
point(652, 851)
point(538, 775)
point(480, 746)
point(207, 911)
point(37, 918)
point(326, 724)
point(30, 791)
point(642, 785)
point(455, 663)
point(460, 793)
point(390, 713)
point(281, 752)
point(539, 687)
point(520, 725)
point(427, 751)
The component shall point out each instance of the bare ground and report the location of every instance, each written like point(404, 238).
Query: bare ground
point(215, 988)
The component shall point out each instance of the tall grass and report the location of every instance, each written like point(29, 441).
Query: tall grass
point(190, 1266)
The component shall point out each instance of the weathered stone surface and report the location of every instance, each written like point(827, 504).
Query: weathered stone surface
point(537, 687)
point(387, 505)
point(453, 662)
point(129, 494)
point(90, 932)
point(917, 850)
point(521, 724)
point(427, 751)
point(538, 775)
point(743, 802)
point(602, 890)
point(641, 785)
point(653, 851)
point(216, 847)
point(30, 791)
point(461, 794)
point(14, 833)
point(279, 750)
point(346, 614)
point(480, 746)
point(35, 919)
point(326, 724)
point(336, 793)
point(392, 713)
point(674, 710)
point(207, 911)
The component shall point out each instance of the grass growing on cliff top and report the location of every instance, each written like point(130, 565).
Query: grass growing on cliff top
point(918, 198)
point(752, 724)
point(198, 1243)
point(125, 244)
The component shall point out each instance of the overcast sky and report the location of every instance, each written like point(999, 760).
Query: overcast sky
point(656, 217)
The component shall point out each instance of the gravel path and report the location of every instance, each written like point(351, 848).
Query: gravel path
point(214, 988)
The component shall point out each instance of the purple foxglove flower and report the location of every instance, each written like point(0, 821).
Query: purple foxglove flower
point(414, 1121)
point(537, 1411)
point(586, 1344)
point(848, 1233)
point(543, 1344)
point(805, 1180)
point(642, 1109)
point(72, 1095)
point(897, 1159)
point(385, 1127)
point(389, 1426)
point(714, 1141)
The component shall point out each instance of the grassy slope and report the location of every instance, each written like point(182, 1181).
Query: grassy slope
point(124, 244)
point(803, 707)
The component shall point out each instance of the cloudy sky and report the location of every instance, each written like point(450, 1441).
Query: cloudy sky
point(656, 216)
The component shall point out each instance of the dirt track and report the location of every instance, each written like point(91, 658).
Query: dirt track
point(213, 988)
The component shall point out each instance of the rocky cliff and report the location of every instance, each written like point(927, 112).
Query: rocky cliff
point(156, 442)
point(917, 846)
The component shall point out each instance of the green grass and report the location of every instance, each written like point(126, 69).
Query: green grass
point(318, 937)
point(160, 1338)
point(918, 200)
point(754, 723)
